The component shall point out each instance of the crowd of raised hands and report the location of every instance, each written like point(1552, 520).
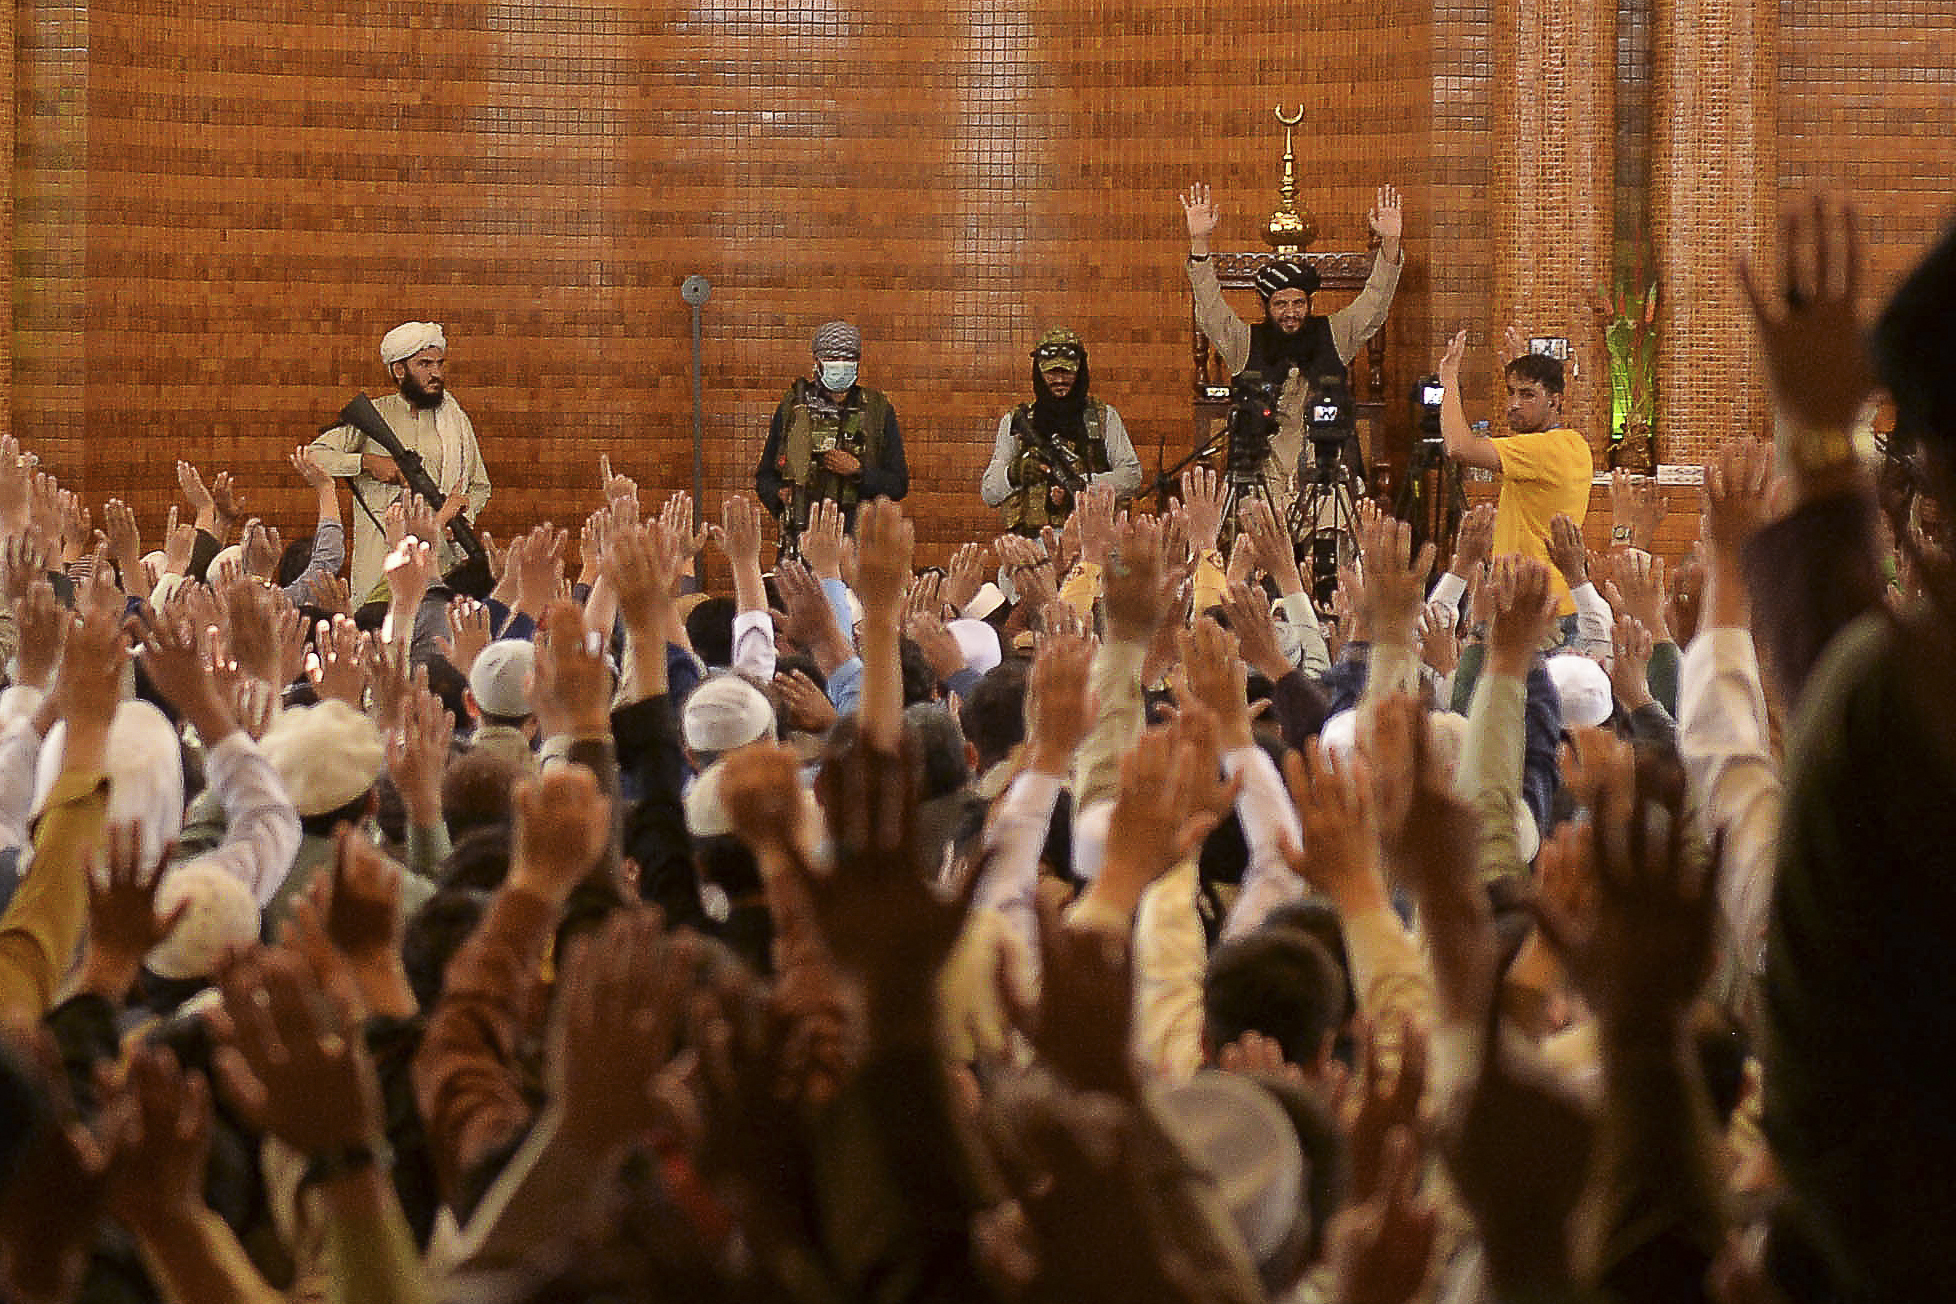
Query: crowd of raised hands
point(1094, 918)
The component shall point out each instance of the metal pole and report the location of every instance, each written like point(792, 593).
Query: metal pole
point(694, 290)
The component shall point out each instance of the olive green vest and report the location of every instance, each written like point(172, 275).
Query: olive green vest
point(1030, 508)
point(859, 428)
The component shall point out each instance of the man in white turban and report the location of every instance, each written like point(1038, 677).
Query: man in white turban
point(428, 421)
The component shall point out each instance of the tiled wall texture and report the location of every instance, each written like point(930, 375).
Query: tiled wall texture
point(216, 213)
point(1553, 185)
point(1714, 173)
point(237, 206)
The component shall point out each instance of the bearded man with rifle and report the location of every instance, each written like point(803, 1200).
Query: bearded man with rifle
point(443, 462)
point(1050, 449)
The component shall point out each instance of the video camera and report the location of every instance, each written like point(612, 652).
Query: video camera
point(1252, 421)
point(1428, 395)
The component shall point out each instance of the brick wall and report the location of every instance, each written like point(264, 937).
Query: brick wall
point(266, 195)
point(215, 217)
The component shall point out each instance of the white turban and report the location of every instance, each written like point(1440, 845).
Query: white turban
point(409, 338)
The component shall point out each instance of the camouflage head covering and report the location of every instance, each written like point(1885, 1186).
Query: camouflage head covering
point(1059, 349)
point(838, 339)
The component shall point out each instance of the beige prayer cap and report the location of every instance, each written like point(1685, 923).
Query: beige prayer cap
point(409, 338)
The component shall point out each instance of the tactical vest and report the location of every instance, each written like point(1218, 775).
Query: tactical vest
point(1029, 508)
point(859, 428)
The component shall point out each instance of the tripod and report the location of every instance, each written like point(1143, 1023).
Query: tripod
point(1431, 498)
point(1323, 517)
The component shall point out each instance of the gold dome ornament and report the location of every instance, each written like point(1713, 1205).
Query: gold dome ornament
point(1291, 230)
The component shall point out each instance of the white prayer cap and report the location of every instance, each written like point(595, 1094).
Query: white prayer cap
point(222, 914)
point(1236, 1132)
point(145, 769)
point(327, 754)
point(724, 712)
point(978, 642)
point(1584, 688)
point(984, 602)
point(409, 338)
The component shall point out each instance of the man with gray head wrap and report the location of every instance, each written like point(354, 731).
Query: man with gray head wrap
point(427, 420)
point(830, 438)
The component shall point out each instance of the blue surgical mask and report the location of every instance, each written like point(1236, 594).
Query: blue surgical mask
point(837, 376)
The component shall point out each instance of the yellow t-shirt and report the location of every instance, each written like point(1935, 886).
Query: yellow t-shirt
point(1543, 475)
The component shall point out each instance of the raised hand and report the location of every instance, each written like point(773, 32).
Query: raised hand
point(1648, 949)
point(227, 501)
point(1523, 605)
point(125, 544)
point(1568, 551)
point(14, 487)
point(1202, 214)
point(1381, 1247)
point(738, 536)
point(1271, 545)
point(156, 1181)
point(620, 492)
point(884, 922)
point(1387, 218)
point(539, 569)
point(1737, 496)
point(43, 631)
point(262, 548)
point(417, 753)
point(562, 826)
point(808, 708)
point(809, 621)
point(1638, 589)
point(627, 993)
point(293, 1061)
point(1394, 578)
point(1256, 631)
point(1135, 598)
point(123, 925)
point(1086, 1007)
point(1171, 797)
point(1203, 495)
point(337, 668)
point(965, 576)
point(761, 791)
point(676, 515)
point(1439, 637)
point(198, 496)
point(1212, 675)
point(1095, 514)
point(1340, 855)
point(821, 542)
point(1474, 543)
point(591, 543)
point(1630, 666)
point(1449, 368)
point(885, 541)
point(1636, 509)
point(1059, 703)
point(1805, 313)
point(571, 685)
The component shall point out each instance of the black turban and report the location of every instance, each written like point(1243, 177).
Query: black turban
point(1286, 274)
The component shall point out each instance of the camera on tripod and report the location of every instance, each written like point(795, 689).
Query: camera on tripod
point(1333, 415)
point(1428, 395)
point(1252, 421)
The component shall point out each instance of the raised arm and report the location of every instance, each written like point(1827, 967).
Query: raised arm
point(1228, 332)
point(1463, 444)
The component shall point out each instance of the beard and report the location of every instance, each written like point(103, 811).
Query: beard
point(417, 396)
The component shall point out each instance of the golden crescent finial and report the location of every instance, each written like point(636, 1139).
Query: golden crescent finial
point(1290, 122)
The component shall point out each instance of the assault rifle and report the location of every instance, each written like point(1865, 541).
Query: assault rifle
point(1063, 462)
point(472, 576)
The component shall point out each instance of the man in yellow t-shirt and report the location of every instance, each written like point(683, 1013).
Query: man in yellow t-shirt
point(1545, 466)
